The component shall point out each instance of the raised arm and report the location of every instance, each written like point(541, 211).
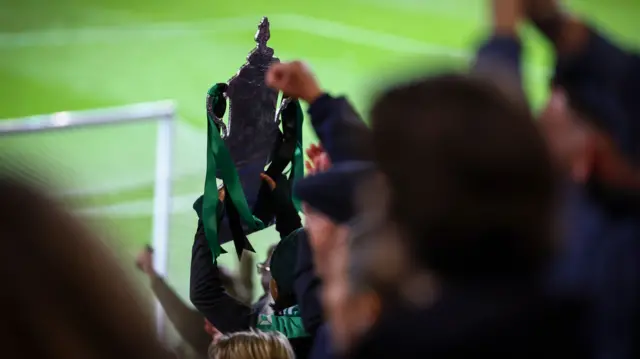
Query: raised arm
point(340, 129)
point(600, 78)
point(342, 132)
point(499, 57)
point(208, 294)
point(187, 321)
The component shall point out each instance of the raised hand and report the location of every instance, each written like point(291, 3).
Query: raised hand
point(294, 79)
point(507, 15)
point(314, 150)
point(319, 160)
point(144, 261)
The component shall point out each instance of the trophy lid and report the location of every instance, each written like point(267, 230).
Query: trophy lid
point(263, 34)
point(252, 105)
point(259, 58)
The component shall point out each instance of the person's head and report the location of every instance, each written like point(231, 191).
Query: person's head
point(251, 345)
point(63, 293)
point(471, 181)
point(282, 264)
point(370, 272)
point(351, 296)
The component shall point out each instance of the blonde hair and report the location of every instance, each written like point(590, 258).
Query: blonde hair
point(253, 344)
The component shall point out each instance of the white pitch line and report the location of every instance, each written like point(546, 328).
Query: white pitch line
point(179, 205)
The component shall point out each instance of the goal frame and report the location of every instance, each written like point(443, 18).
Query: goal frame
point(165, 113)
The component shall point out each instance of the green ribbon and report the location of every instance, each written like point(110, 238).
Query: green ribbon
point(218, 157)
point(297, 162)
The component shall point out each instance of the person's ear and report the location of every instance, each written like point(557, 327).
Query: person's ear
point(370, 309)
point(375, 307)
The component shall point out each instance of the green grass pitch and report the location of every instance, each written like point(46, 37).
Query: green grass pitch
point(79, 54)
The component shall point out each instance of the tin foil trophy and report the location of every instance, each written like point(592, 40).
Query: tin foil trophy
point(259, 136)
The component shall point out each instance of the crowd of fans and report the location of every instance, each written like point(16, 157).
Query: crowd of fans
point(457, 224)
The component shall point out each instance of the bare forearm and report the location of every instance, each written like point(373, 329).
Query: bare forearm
point(506, 17)
point(187, 321)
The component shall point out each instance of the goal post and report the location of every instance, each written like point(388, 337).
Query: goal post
point(164, 112)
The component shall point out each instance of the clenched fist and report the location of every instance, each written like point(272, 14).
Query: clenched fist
point(295, 80)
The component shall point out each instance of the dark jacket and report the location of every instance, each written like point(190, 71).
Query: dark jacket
point(603, 80)
point(490, 317)
point(340, 129)
point(602, 238)
point(322, 346)
point(488, 320)
point(226, 313)
point(207, 293)
point(307, 286)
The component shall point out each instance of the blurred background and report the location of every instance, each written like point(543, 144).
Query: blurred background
point(84, 54)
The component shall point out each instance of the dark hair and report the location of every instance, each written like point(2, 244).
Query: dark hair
point(63, 295)
point(470, 176)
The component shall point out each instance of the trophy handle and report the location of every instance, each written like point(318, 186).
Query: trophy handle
point(218, 110)
point(283, 105)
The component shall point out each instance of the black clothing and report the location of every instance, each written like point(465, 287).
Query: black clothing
point(223, 311)
point(498, 320)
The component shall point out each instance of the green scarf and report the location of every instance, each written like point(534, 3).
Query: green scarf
point(218, 157)
point(288, 323)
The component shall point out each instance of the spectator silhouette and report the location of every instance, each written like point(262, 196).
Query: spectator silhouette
point(64, 295)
